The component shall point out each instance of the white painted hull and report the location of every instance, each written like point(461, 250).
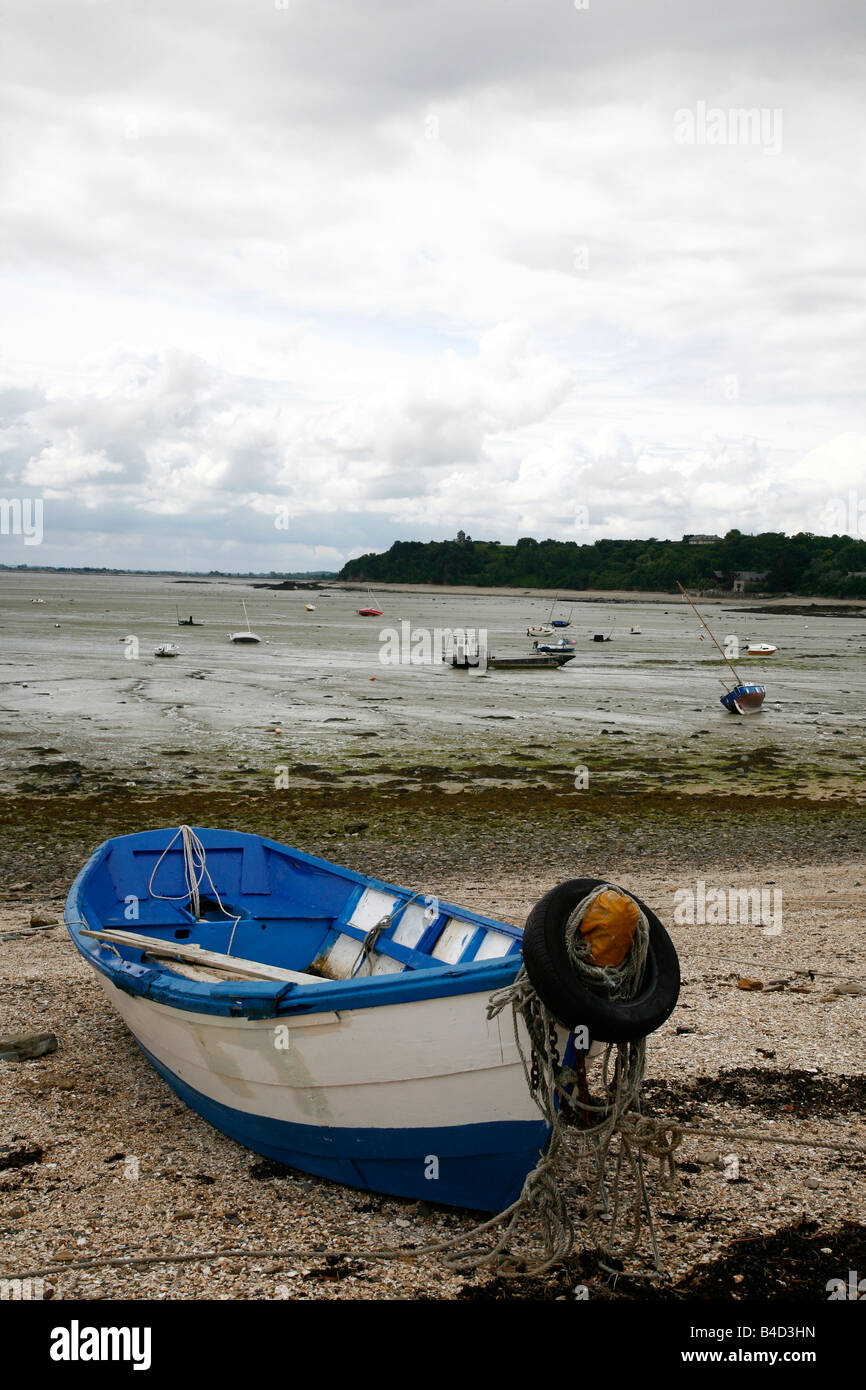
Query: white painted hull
point(428, 1063)
point(425, 1099)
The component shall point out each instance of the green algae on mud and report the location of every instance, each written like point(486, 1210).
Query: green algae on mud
point(609, 765)
point(431, 832)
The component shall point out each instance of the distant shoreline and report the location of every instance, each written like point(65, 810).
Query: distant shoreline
point(770, 602)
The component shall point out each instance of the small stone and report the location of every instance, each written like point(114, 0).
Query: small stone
point(401, 1222)
point(60, 1082)
point(16, 1212)
point(812, 1183)
point(745, 983)
point(738, 1278)
point(37, 920)
point(63, 1255)
point(20, 1047)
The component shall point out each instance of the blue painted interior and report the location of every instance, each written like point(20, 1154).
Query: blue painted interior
point(292, 907)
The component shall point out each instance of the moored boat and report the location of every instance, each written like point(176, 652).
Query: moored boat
point(372, 609)
point(186, 622)
point(761, 649)
point(166, 649)
point(330, 1020)
point(745, 698)
point(244, 635)
point(565, 644)
point(559, 622)
point(742, 698)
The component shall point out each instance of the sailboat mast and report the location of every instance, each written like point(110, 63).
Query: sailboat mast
point(246, 615)
point(688, 600)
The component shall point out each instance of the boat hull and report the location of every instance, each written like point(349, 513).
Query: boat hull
point(386, 1075)
point(480, 1166)
point(744, 699)
point(344, 1099)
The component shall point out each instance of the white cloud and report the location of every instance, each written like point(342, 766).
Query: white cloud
point(417, 266)
point(62, 465)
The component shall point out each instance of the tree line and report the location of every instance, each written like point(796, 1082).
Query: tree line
point(770, 563)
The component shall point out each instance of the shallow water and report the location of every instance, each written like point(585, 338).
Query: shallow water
point(639, 710)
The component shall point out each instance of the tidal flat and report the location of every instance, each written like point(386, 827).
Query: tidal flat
point(89, 708)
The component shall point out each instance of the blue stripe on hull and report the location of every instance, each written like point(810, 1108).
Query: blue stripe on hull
point(479, 1166)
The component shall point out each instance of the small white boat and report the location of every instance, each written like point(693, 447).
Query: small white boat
point(634, 631)
point(166, 649)
point(760, 649)
point(540, 630)
point(249, 635)
point(310, 607)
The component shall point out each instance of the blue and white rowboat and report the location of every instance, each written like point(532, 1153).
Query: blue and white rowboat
point(263, 1012)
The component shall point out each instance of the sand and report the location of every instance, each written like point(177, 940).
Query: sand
point(126, 1169)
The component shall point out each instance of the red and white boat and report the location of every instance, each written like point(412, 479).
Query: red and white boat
point(371, 611)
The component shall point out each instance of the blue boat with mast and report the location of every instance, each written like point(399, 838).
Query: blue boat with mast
point(745, 697)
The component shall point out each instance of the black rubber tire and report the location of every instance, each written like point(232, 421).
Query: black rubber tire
point(568, 998)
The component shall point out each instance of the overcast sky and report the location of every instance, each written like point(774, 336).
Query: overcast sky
point(389, 268)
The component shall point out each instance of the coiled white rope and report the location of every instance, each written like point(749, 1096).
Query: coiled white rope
point(195, 870)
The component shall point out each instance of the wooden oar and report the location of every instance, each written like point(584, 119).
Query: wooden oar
point(197, 955)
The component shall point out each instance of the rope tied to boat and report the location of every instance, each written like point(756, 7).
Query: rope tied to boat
point(195, 871)
point(370, 941)
point(613, 1136)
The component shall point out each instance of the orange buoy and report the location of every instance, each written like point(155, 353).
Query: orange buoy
point(609, 925)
